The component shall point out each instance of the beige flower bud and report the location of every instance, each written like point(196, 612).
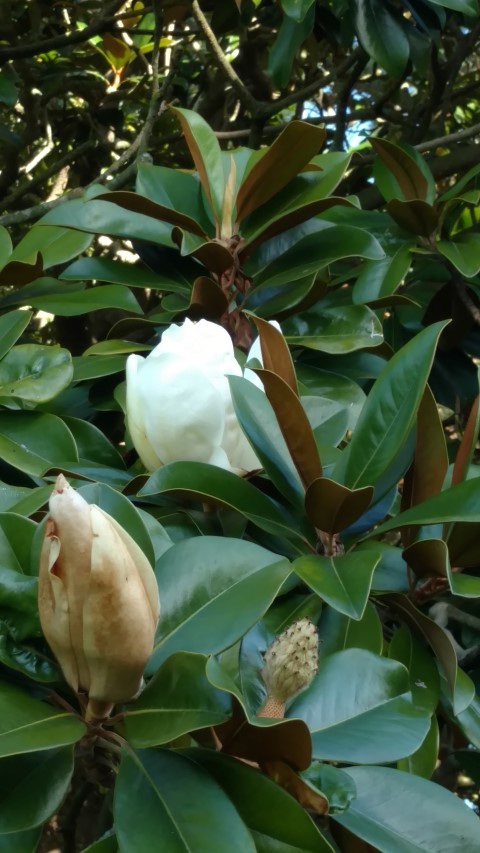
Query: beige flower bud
point(291, 662)
point(97, 598)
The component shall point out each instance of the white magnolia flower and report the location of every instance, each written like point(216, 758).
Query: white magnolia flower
point(179, 406)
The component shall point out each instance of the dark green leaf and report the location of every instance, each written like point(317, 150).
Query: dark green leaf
point(32, 788)
point(206, 154)
point(211, 483)
point(179, 699)
point(35, 373)
point(388, 415)
point(343, 582)
point(32, 442)
point(385, 813)
point(11, 327)
point(280, 825)
point(164, 795)
point(339, 329)
point(359, 708)
point(213, 590)
point(381, 35)
point(28, 725)
point(260, 425)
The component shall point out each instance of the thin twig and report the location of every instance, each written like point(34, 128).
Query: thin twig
point(101, 23)
point(221, 60)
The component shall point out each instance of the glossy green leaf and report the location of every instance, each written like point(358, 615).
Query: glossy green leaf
point(280, 825)
point(385, 813)
point(389, 413)
point(32, 442)
point(210, 483)
point(26, 656)
point(281, 162)
point(407, 173)
point(424, 761)
point(5, 244)
point(468, 7)
point(93, 444)
point(25, 800)
point(139, 204)
point(459, 503)
point(258, 421)
point(296, 9)
point(343, 582)
point(340, 329)
point(35, 373)
point(336, 785)
point(381, 278)
point(117, 272)
point(164, 795)
point(290, 37)
point(18, 598)
point(337, 631)
point(11, 327)
point(460, 685)
point(205, 150)
point(102, 217)
point(69, 303)
point(359, 708)
point(107, 844)
point(179, 699)
point(16, 536)
point(213, 590)
point(57, 245)
point(407, 648)
point(381, 35)
point(175, 189)
point(85, 367)
point(21, 842)
point(463, 252)
point(333, 386)
point(28, 725)
point(317, 250)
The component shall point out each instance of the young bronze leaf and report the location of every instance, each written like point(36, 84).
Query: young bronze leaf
point(206, 154)
point(412, 182)
point(427, 558)
point(275, 352)
point(285, 740)
point(414, 215)
point(290, 152)
point(431, 458)
point(208, 298)
point(140, 204)
point(332, 507)
point(306, 795)
point(294, 425)
point(467, 444)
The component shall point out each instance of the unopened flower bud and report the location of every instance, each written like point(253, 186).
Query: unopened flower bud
point(97, 599)
point(291, 662)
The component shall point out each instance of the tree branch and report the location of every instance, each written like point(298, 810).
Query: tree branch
point(222, 62)
point(102, 22)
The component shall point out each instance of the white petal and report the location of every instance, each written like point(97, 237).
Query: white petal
point(135, 414)
point(185, 417)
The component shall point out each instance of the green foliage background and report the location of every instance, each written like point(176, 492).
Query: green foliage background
point(315, 163)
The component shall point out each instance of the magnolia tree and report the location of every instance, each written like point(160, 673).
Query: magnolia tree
point(239, 532)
